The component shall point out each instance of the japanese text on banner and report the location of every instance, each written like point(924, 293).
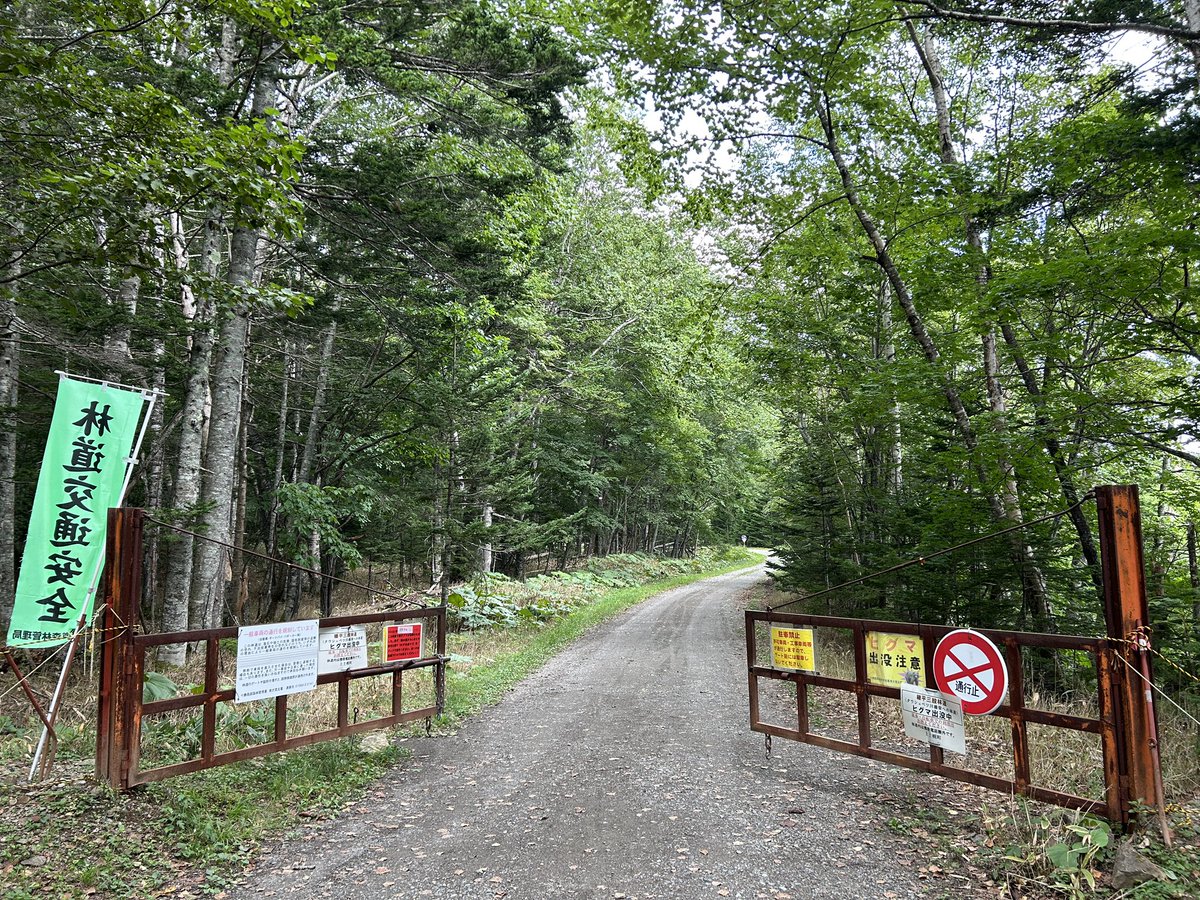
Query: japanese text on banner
point(83, 469)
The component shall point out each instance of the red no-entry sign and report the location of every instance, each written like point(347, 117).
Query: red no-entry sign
point(969, 667)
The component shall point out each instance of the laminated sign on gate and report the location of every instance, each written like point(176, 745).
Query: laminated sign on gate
point(276, 659)
point(792, 649)
point(342, 649)
point(402, 642)
point(932, 717)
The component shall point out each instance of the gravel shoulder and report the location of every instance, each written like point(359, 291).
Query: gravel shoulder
point(623, 768)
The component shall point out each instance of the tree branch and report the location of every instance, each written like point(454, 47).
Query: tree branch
point(1075, 26)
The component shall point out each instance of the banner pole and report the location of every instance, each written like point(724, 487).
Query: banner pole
point(56, 700)
point(151, 397)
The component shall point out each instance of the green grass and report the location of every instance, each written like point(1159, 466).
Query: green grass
point(71, 838)
point(191, 832)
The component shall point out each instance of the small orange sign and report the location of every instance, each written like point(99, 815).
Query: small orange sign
point(401, 642)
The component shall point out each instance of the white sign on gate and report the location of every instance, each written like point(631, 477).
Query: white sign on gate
point(342, 649)
point(276, 659)
point(932, 717)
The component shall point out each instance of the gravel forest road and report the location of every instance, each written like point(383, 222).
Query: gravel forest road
point(622, 769)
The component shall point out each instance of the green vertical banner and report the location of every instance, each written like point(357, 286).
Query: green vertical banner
point(83, 470)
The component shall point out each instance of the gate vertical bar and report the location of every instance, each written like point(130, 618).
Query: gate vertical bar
point(343, 701)
point(281, 718)
point(1125, 610)
point(397, 692)
point(1016, 708)
point(862, 700)
point(937, 756)
point(751, 662)
point(208, 728)
point(120, 687)
point(111, 648)
point(1110, 740)
point(131, 587)
point(802, 718)
point(439, 672)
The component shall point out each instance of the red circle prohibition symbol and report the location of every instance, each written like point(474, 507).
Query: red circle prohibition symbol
point(970, 668)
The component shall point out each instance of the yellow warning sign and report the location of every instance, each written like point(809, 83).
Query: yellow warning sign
point(895, 659)
point(792, 649)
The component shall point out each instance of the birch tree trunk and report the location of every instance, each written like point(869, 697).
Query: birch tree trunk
point(1157, 586)
point(439, 542)
point(220, 458)
point(312, 439)
point(1193, 575)
point(313, 436)
point(485, 547)
point(178, 610)
point(1191, 11)
point(154, 470)
point(891, 478)
point(127, 300)
point(269, 603)
point(308, 461)
point(444, 517)
point(240, 569)
point(10, 364)
point(1062, 471)
point(183, 606)
point(212, 555)
point(883, 257)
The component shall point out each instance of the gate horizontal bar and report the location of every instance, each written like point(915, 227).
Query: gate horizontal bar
point(1025, 638)
point(967, 776)
point(231, 631)
point(1004, 711)
point(177, 703)
point(146, 776)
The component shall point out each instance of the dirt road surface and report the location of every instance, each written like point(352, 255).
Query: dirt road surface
point(625, 768)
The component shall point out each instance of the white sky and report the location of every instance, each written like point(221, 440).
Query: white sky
point(1133, 49)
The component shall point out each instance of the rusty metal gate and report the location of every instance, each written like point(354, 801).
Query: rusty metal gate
point(122, 710)
point(1125, 722)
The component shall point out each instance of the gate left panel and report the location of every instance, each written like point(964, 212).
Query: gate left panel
point(207, 728)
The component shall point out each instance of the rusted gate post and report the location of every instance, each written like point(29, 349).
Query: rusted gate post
point(1126, 613)
point(116, 727)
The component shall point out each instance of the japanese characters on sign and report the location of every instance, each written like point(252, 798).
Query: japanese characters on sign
point(792, 649)
point(342, 649)
point(932, 717)
point(276, 659)
point(83, 471)
point(970, 668)
point(402, 642)
point(894, 659)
